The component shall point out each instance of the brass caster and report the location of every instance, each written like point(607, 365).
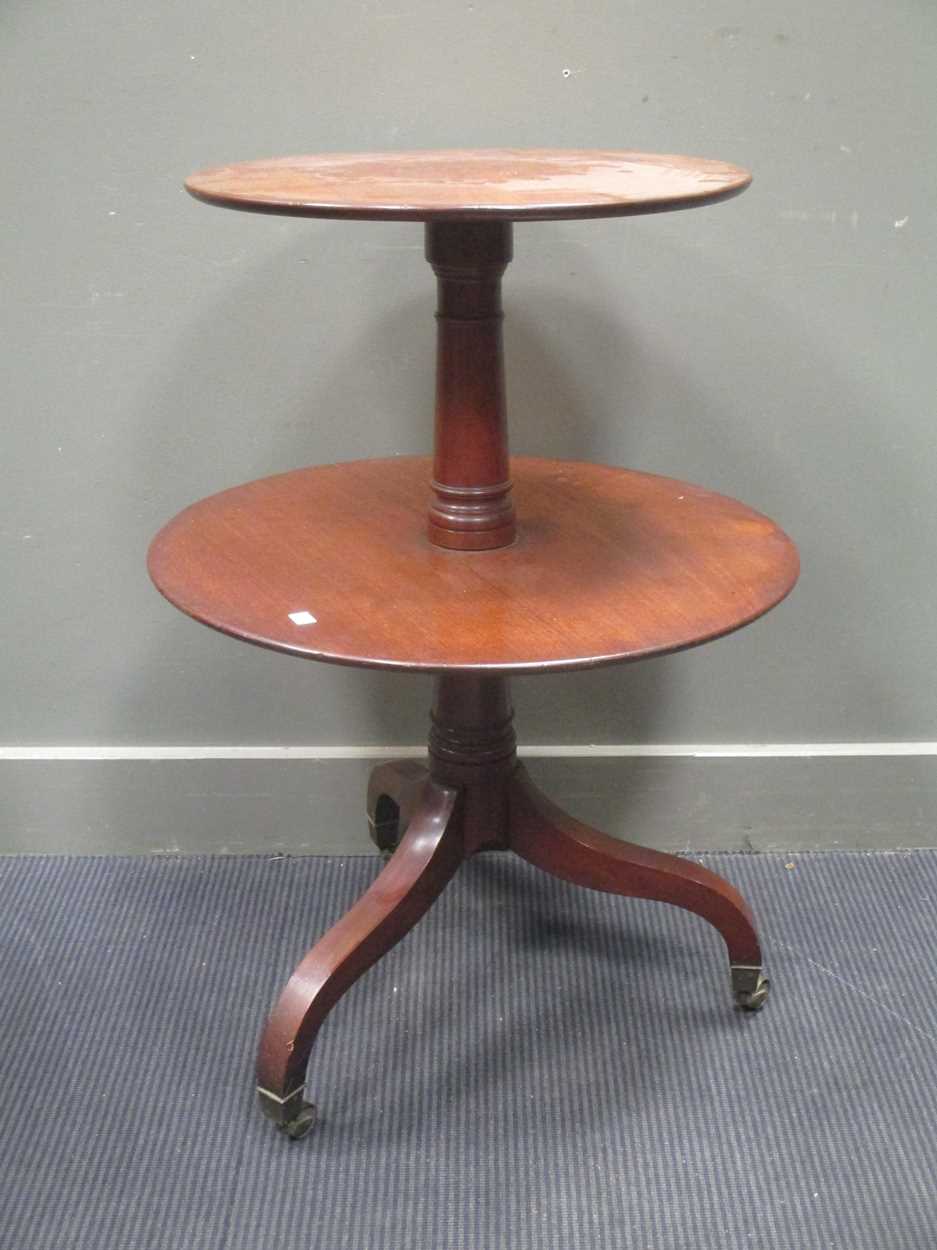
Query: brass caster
point(301, 1123)
point(750, 986)
point(292, 1115)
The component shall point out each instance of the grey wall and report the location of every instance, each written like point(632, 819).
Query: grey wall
point(779, 348)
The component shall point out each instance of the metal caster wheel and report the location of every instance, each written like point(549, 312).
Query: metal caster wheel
point(292, 1115)
point(750, 987)
point(301, 1123)
point(384, 826)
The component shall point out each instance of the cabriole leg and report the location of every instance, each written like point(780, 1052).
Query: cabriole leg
point(550, 839)
point(428, 855)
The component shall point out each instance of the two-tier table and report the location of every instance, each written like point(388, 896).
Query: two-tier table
point(471, 566)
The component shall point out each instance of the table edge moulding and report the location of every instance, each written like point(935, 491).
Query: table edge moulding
point(472, 566)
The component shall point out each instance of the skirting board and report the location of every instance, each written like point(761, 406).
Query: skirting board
point(306, 806)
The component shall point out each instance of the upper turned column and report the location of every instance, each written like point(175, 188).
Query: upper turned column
point(471, 508)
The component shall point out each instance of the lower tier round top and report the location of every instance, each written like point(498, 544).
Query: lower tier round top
point(510, 184)
point(333, 563)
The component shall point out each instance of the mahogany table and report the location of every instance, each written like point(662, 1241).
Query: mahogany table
point(472, 566)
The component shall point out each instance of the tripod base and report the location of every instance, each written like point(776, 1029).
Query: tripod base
point(473, 795)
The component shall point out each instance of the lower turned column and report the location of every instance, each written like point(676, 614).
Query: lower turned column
point(472, 747)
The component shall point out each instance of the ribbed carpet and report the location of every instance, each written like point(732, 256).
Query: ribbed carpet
point(535, 1067)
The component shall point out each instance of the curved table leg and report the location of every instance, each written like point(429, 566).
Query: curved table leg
point(550, 839)
point(429, 853)
point(394, 789)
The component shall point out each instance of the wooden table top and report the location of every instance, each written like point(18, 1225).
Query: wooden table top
point(333, 563)
point(510, 184)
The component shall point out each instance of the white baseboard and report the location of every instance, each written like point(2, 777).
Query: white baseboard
point(613, 750)
point(308, 800)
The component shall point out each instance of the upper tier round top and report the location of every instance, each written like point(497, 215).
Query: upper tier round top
point(510, 184)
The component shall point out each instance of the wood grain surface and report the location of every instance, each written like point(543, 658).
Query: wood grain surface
point(513, 184)
point(333, 563)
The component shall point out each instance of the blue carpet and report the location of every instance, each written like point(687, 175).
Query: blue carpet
point(535, 1066)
